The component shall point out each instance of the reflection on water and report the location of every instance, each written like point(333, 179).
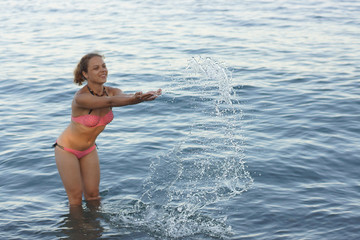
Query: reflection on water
point(82, 222)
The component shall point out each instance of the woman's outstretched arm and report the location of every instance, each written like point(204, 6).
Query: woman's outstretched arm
point(86, 100)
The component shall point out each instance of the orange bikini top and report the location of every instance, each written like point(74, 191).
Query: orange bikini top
point(94, 120)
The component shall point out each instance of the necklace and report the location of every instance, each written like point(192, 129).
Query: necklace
point(94, 93)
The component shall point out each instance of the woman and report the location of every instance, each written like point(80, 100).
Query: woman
point(75, 150)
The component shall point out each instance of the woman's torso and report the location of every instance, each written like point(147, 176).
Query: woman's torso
point(85, 125)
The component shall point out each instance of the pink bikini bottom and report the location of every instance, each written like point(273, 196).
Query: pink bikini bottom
point(78, 154)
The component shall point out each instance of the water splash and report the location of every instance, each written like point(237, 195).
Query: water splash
point(204, 168)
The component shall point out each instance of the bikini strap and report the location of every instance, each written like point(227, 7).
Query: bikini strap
point(56, 144)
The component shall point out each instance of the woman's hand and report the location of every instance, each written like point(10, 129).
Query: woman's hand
point(149, 96)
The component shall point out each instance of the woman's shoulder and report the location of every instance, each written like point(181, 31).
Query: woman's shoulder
point(81, 96)
point(112, 91)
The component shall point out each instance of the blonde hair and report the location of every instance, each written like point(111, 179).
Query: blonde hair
point(82, 66)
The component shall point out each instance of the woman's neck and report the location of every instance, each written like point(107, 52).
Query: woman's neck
point(96, 89)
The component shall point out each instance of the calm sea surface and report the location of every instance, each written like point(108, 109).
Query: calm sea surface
point(256, 135)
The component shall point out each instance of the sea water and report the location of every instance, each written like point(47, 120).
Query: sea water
point(205, 167)
point(255, 137)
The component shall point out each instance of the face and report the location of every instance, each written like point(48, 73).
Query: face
point(97, 71)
